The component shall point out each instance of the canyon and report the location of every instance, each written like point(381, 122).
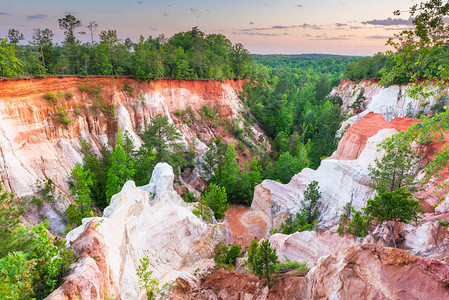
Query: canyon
point(153, 221)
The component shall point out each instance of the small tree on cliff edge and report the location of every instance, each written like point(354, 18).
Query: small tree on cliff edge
point(262, 260)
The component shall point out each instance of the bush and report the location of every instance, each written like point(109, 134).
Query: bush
point(68, 96)
point(189, 197)
point(51, 98)
point(263, 261)
point(398, 205)
point(227, 257)
point(358, 225)
point(301, 268)
point(216, 198)
point(146, 281)
point(298, 224)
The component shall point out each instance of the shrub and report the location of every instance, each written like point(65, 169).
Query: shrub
point(227, 257)
point(301, 268)
point(358, 225)
point(189, 197)
point(68, 96)
point(398, 205)
point(263, 260)
point(216, 198)
point(51, 98)
point(146, 281)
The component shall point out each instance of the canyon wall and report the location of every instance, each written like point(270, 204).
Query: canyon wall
point(36, 142)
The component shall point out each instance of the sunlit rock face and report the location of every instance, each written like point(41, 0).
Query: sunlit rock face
point(342, 180)
point(157, 225)
point(374, 272)
point(34, 144)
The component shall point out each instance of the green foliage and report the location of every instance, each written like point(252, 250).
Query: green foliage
point(189, 197)
point(354, 222)
point(263, 261)
point(397, 168)
point(297, 224)
point(421, 52)
point(51, 98)
point(80, 183)
point(164, 139)
point(9, 63)
point(307, 218)
point(68, 95)
point(285, 167)
point(146, 280)
point(398, 205)
point(32, 264)
point(63, 117)
point(301, 268)
point(367, 67)
point(216, 198)
point(227, 257)
point(15, 276)
point(443, 222)
point(9, 220)
point(121, 170)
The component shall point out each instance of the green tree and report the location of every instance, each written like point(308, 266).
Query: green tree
point(398, 205)
point(9, 63)
point(226, 257)
point(230, 174)
point(146, 280)
point(422, 51)
point(15, 36)
point(9, 220)
point(285, 167)
point(16, 276)
point(80, 183)
point(264, 261)
point(216, 198)
point(165, 139)
point(397, 168)
point(121, 170)
point(311, 196)
point(69, 24)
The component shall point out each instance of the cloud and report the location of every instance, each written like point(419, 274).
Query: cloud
point(389, 22)
point(299, 5)
point(278, 27)
point(139, 2)
point(194, 10)
point(261, 33)
point(325, 37)
point(4, 14)
point(38, 16)
point(378, 37)
point(251, 23)
point(341, 24)
point(165, 14)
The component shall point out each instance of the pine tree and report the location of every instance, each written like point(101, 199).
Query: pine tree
point(216, 198)
point(80, 184)
point(120, 171)
point(230, 174)
point(264, 261)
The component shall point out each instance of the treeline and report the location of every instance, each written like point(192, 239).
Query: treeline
point(186, 55)
point(367, 67)
point(320, 63)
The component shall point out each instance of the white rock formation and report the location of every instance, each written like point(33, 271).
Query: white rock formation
point(309, 246)
point(340, 182)
point(159, 227)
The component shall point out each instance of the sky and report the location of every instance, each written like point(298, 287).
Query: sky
point(347, 27)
